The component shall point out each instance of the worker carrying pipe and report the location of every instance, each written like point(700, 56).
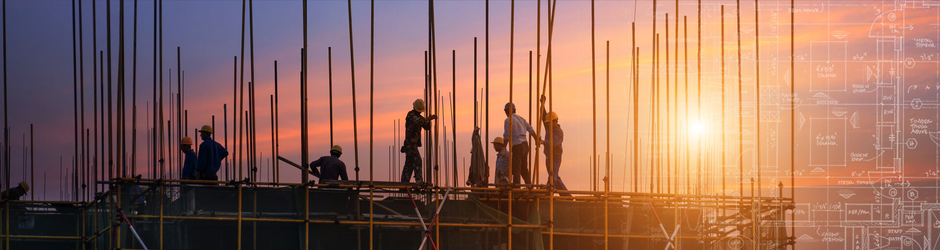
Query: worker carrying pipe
point(518, 143)
point(189, 159)
point(331, 167)
point(16, 192)
point(553, 139)
point(210, 155)
point(414, 122)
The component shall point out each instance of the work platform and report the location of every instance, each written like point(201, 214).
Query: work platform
point(339, 215)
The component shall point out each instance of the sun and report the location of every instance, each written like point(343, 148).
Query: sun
point(697, 128)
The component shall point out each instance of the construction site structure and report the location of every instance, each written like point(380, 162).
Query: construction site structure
point(115, 207)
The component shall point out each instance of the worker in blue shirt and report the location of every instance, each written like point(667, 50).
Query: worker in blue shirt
point(331, 167)
point(554, 136)
point(210, 156)
point(189, 160)
point(502, 161)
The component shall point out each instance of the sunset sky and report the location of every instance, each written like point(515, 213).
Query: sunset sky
point(835, 44)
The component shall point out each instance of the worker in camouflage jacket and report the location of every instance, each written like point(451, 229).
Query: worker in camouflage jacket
point(414, 122)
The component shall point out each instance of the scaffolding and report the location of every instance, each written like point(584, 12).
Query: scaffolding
point(186, 214)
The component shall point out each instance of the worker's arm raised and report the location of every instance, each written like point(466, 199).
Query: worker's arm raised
point(427, 122)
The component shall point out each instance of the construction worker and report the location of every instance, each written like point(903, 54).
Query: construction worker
point(16, 192)
point(519, 144)
point(331, 167)
point(189, 160)
point(554, 136)
point(414, 122)
point(210, 156)
point(502, 161)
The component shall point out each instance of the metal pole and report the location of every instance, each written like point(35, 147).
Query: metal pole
point(133, 100)
point(636, 106)
point(453, 112)
point(224, 134)
point(352, 74)
point(329, 58)
point(371, 118)
point(792, 125)
point(593, 103)
point(607, 170)
point(241, 104)
point(698, 88)
point(740, 106)
point(277, 140)
point(230, 170)
point(722, 148)
point(32, 164)
point(757, 99)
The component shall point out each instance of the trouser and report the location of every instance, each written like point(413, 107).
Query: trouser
point(555, 162)
point(412, 164)
point(520, 163)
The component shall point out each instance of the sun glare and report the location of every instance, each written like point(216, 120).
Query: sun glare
point(697, 128)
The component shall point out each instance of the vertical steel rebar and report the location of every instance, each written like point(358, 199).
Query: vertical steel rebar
point(512, 31)
point(81, 96)
point(740, 106)
point(329, 60)
point(607, 170)
point(277, 141)
point(241, 108)
point(352, 68)
point(757, 166)
point(230, 170)
point(371, 119)
point(32, 164)
point(791, 241)
point(486, 146)
point(133, 100)
point(593, 103)
point(453, 111)
point(179, 100)
point(698, 88)
point(636, 105)
point(74, 90)
point(722, 147)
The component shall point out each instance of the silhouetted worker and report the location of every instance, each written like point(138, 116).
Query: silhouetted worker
point(189, 159)
point(502, 161)
point(519, 144)
point(554, 136)
point(16, 192)
point(210, 156)
point(414, 122)
point(331, 167)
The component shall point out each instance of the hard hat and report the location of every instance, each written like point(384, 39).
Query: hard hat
point(510, 106)
point(499, 140)
point(418, 105)
point(24, 185)
point(552, 116)
point(206, 128)
point(186, 141)
point(337, 148)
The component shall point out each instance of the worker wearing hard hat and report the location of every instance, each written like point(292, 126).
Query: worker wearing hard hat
point(502, 161)
point(189, 159)
point(414, 122)
point(16, 192)
point(210, 156)
point(331, 167)
point(517, 143)
point(554, 136)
